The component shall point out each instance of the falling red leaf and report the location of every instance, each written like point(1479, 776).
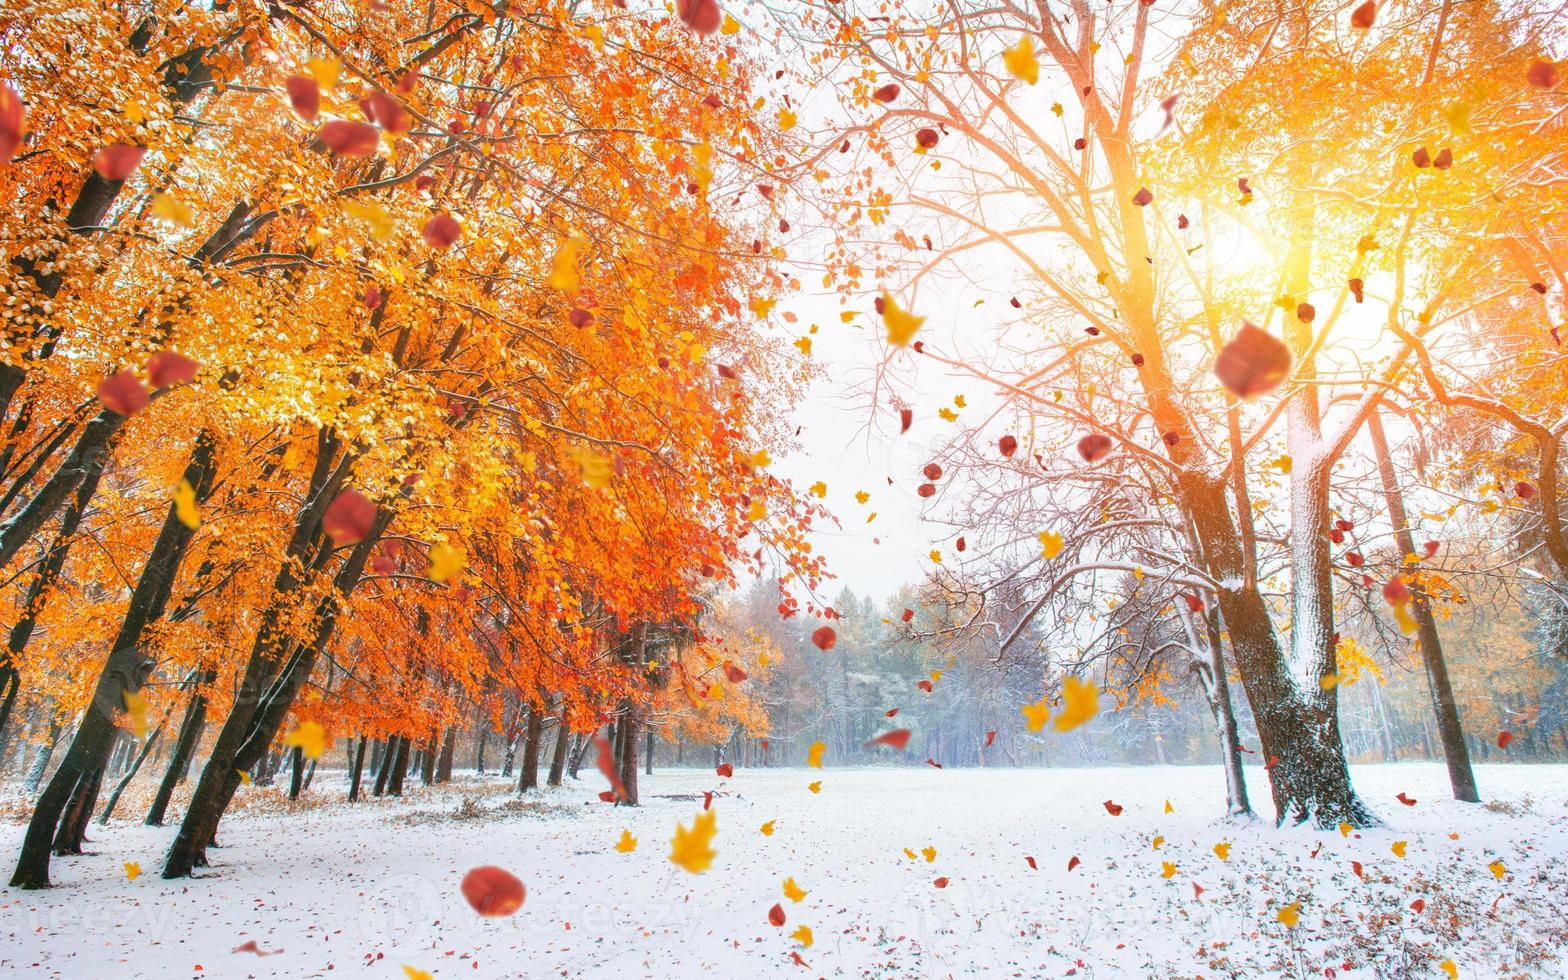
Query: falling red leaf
point(1396, 591)
point(348, 138)
point(605, 760)
point(441, 231)
point(940, 882)
point(1194, 604)
point(372, 298)
point(795, 957)
point(960, 544)
point(348, 518)
point(249, 946)
point(1253, 362)
point(1008, 445)
point(702, 16)
point(1144, 197)
point(304, 96)
point(1306, 312)
point(1361, 18)
point(1444, 159)
point(1113, 808)
point(13, 122)
point(1407, 801)
point(1032, 865)
point(932, 471)
point(725, 770)
point(1431, 548)
point(388, 112)
point(607, 796)
point(908, 615)
point(1503, 738)
point(1356, 285)
point(1094, 447)
point(1016, 305)
point(898, 738)
point(1421, 158)
point(1073, 863)
point(123, 393)
point(118, 161)
point(990, 737)
point(824, 637)
point(493, 891)
point(886, 93)
point(925, 138)
point(1355, 559)
point(1524, 490)
point(926, 490)
point(707, 799)
point(1182, 222)
point(1542, 74)
point(165, 368)
point(905, 417)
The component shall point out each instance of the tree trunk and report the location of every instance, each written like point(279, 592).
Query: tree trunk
point(530, 775)
point(630, 723)
point(135, 767)
point(648, 752)
point(579, 749)
point(562, 744)
point(356, 770)
point(1460, 776)
point(399, 769)
point(72, 831)
point(448, 748)
point(427, 762)
point(479, 755)
point(388, 756)
point(297, 772)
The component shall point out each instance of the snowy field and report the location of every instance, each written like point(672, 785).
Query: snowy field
point(336, 891)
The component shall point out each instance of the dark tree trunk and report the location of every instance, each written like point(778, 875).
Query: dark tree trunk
point(184, 750)
point(1460, 776)
point(479, 755)
point(648, 753)
point(135, 767)
point(530, 775)
point(35, 774)
point(427, 762)
point(356, 770)
point(448, 749)
point(563, 737)
point(72, 832)
point(399, 769)
point(297, 772)
point(388, 757)
point(579, 749)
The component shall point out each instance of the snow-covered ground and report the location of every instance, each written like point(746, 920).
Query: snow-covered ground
point(341, 891)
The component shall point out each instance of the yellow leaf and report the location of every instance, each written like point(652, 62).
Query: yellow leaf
point(185, 505)
point(134, 113)
point(1037, 714)
point(1328, 682)
point(445, 562)
point(1344, 829)
point(1168, 870)
point(946, 414)
point(1399, 848)
point(730, 25)
point(804, 344)
point(325, 71)
point(1050, 544)
point(767, 828)
point(373, 214)
point(563, 266)
point(792, 891)
point(1290, 914)
point(815, 787)
point(936, 556)
point(786, 120)
point(1222, 851)
point(757, 511)
point(244, 777)
point(1081, 702)
point(693, 849)
point(761, 306)
point(1169, 808)
point(136, 710)
point(1020, 61)
point(820, 489)
point(132, 870)
point(861, 496)
point(1448, 967)
point(310, 737)
point(595, 33)
point(929, 854)
point(814, 754)
point(1498, 869)
point(596, 467)
point(1284, 464)
point(803, 936)
point(627, 843)
point(415, 973)
point(901, 325)
point(909, 854)
point(166, 208)
point(1157, 842)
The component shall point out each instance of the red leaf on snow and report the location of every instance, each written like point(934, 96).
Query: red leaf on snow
point(1356, 867)
point(776, 915)
point(898, 738)
point(1419, 905)
point(933, 763)
point(493, 891)
point(891, 712)
point(940, 882)
point(441, 231)
point(1113, 808)
point(725, 770)
point(607, 796)
point(1407, 801)
point(123, 392)
point(1094, 447)
point(249, 946)
point(989, 738)
point(1197, 890)
point(605, 760)
point(1008, 445)
point(118, 161)
point(1032, 865)
point(350, 139)
point(1073, 862)
point(702, 16)
point(167, 368)
point(1253, 362)
point(924, 686)
point(824, 638)
point(348, 518)
point(1503, 738)
point(304, 96)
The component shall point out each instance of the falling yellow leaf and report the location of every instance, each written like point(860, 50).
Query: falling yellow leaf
point(1290, 914)
point(1020, 61)
point(786, 120)
point(1050, 544)
point(929, 853)
point(757, 511)
point(596, 467)
point(325, 71)
point(901, 325)
point(185, 505)
point(166, 207)
point(136, 712)
point(563, 266)
point(815, 787)
point(861, 496)
point(1169, 808)
point(373, 214)
point(244, 777)
point(415, 973)
point(936, 556)
point(1448, 967)
point(946, 414)
point(1037, 714)
point(792, 891)
point(1222, 851)
point(730, 26)
point(1080, 703)
point(804, 344)
point(814, 754)
point(1284, 464)
point(1498, 869)
point(1328, 682)
point(1157, 842)
point(692, 849)
point(310, 737)
point(820, 489)
point(1168, 870)
point(445, 562)
point(767, 828)
point(1399, 848)
point(627, 843)
point(803, 936)
point(132, 870)
point(761, 306)
point(595, 33)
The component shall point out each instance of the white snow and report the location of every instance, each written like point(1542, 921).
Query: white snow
point(360, 891)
